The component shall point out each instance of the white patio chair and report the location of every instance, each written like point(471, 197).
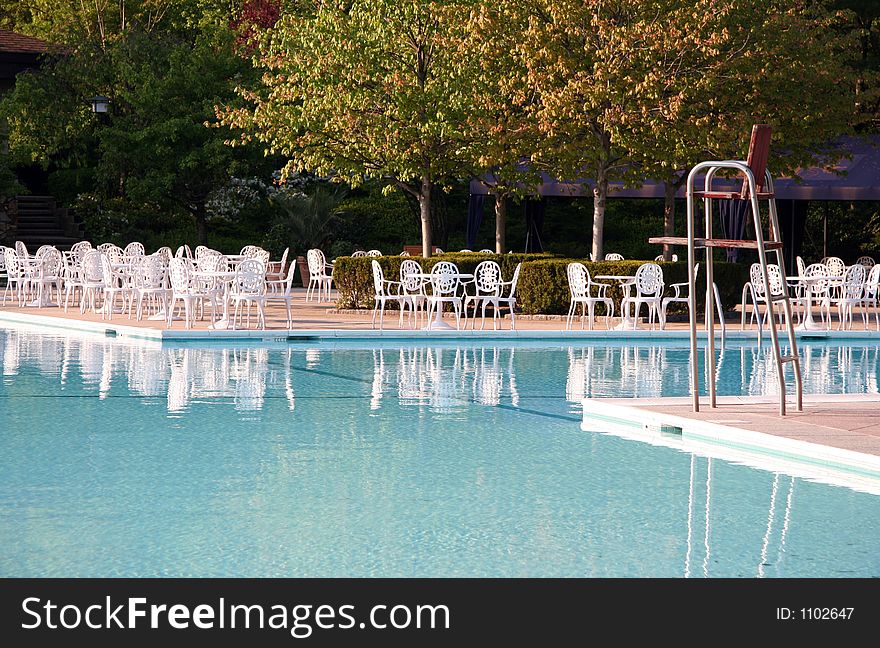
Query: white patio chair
point(358, 253)
point(404, 254)
point(184, 289)
point(851, 295)
point(871, 294)
point(866, 261)
point(183, 252)
point(649, 291)
point(22, 252)
point(466, 251)
point(487, 251)
point(444, 289)
point(413, 287)
point(276, 270)
point(318, 278)
point(506, 297)
point(150, 283)
point(3, 267)
point(166, 254)
point(374, 254)
point(385, 291)
point(614, 256)
point(91, 280)
point(836, 268)
point(754, 288)
point(659, 258)
point(249, 288)
point(45, 273)
point(13, 276)
point(79, 249)
point(580, 286)
point(817, 290)
point(114, 284)
point(282, 290)
point(485, 284)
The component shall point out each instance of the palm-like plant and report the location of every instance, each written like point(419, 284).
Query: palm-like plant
point(308, 218)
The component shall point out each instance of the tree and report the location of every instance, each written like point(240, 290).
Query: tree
point(154, 146)
point(501, 133)
point(365, 89)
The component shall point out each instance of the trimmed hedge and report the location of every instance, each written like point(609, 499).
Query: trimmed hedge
point(543, 285)
point(353, 276)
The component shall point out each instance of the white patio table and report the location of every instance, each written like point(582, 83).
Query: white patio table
point(437, 324)
point(626, 282)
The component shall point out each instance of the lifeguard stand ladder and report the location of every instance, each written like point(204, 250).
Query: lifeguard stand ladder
point(757, 185)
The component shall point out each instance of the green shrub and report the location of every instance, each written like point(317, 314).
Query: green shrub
point(353, 276)
point(543, 284)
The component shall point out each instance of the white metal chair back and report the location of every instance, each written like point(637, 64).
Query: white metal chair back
point(51, 261)
point(854, 281)
point(92, 269)
point(213, 262)
point(378, 278)
point(412, 284)
point(757, 279)
point(614, 256)
point(79, 249)
point(866, 261)
point(250, 278)
point(183, 252)
point(444, 279)
point(872, 284)
point(151, 272)
point(13, 264)
point(134, 249)
point(404, 254)
point(818, 272)
point(179, 275)
point(21, 250)
point(487, 278)
point(466, 251)
point(578, 279)
point(801, 266)
point(373, 254)
point(317, 261)
point(358, 253)
point(836, 266)
point(649, 280)
point(487, 251)
point(165, 253)
point(251, 251)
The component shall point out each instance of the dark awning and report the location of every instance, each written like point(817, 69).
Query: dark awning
point(860, 180)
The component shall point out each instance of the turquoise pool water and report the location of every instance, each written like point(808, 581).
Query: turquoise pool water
point(344, 460)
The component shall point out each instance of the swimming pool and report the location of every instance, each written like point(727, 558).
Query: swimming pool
point(370, 459)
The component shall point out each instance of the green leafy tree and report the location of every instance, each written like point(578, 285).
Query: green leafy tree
point(366, 89)
point(155, 145)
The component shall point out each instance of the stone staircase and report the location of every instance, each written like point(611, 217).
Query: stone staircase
point(40, 222)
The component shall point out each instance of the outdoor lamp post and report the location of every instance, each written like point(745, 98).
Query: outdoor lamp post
point(99, 104)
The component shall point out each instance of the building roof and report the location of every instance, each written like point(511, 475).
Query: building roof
point(853, 178)
point(13, 43)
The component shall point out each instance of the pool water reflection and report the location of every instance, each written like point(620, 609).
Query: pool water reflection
point(337, 460)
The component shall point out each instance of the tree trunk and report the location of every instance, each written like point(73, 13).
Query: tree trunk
point(600, 193)
point(668, 216)
point(500, 222)
point(201, 219)
point(425, 215)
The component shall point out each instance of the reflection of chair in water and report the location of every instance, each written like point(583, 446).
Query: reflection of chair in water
point(488, 379)
point(178, 382)
point(288, 382)
point(379, 373)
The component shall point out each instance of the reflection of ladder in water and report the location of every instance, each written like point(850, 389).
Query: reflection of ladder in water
point(757, 185)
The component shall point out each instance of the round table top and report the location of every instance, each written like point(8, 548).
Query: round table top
point(616, 277)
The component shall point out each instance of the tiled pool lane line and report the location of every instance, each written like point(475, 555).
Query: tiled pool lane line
point(836, 438)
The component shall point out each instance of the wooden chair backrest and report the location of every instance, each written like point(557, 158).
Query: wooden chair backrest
point(759, 152)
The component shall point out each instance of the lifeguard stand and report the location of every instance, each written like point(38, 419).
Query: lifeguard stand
point(757, 185)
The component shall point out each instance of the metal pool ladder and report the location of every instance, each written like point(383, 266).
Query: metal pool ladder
point(757, 185)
